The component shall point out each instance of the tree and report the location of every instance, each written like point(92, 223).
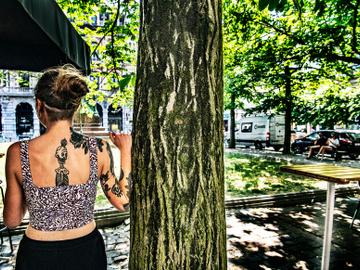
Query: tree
point(312, 42)
point(110, 28)
point(177, 210)
point(267, 59)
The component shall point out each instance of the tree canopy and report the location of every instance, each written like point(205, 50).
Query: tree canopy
point(317, 40)
point(111, 30)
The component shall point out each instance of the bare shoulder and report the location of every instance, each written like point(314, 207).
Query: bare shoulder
point(13, 162)
point(13, 150)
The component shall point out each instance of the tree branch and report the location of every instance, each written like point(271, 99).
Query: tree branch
point(281, 31)
point(113, 39)
point(111, 28)
point(347, 59)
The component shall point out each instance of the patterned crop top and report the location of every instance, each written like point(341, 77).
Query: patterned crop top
point(60, 207)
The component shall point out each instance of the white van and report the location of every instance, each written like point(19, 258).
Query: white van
point(260, 131)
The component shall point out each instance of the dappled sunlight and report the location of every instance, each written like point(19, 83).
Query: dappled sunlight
point(291, 237)
point(299, 215)
point(301, 265)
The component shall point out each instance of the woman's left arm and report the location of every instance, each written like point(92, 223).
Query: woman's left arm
point(15, 206)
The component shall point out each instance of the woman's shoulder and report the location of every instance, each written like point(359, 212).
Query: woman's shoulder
point(102, 144)
point(13, 156)
point(14, 148)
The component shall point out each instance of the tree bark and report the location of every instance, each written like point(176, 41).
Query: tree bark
point(288, 109)
point(232, 143)
point(177, 209)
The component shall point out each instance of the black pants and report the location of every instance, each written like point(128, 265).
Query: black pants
point(84, 253)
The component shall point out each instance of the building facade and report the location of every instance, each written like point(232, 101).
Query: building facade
point(18, 115)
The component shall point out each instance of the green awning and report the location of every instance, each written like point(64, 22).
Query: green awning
point(36, 34)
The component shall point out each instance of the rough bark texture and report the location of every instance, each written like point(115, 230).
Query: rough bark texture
point(288, 109)
point(177, 210)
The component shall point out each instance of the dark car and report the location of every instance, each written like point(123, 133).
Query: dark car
point(349, 142)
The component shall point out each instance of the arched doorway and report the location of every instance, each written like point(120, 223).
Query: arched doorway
point(24, 120)
point(100, 113)
point(115, 118)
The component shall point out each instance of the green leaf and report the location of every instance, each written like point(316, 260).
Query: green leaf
point(263, 4)
point(273, 4)
point(125, 81)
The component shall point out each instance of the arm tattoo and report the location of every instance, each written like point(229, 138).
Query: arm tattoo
point(111, 159)
point(115, 189)
point(62, 174)
point(128, 186)
point(103, 181)
point(128, 191)
point(79, 141)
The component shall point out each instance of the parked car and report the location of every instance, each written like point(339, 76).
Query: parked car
point(295, 134)
point(349, 142)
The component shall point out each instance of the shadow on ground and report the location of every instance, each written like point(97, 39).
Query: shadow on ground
point(291, 237)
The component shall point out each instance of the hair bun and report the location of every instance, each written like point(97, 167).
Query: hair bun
point(62, 87)
point(70, 83)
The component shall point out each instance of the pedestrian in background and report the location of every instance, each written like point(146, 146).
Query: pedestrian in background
point(321, 141)
point(331, 145)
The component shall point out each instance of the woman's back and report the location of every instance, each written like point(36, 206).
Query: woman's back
point(55, 201)
point(44, 162)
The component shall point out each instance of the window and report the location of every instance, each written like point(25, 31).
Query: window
point(246, 127)
point(313, 136)
point(94, 20)
point(103, 17)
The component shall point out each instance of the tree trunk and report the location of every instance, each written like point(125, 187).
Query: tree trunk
point(232, 143)
point(177, 209)
point(288, 108)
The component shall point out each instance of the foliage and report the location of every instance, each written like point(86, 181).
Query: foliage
point(320, 47)
point(23, 79)
point(110, 28)
point(247, 176)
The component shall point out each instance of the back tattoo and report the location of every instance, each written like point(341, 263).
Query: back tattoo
point(62, 174)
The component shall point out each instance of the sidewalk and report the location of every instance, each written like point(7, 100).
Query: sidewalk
point(264, 238)
point(291, 237)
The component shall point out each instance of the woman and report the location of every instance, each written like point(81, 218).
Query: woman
point(331, 145)
point(54, 177)
point(321, 141)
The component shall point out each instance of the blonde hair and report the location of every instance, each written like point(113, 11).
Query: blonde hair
point(61, 89)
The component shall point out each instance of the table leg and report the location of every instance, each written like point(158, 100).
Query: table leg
point(330, 202)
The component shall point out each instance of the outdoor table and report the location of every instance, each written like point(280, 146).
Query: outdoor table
point(333, 175)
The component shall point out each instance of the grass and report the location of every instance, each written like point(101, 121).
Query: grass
point(246, 175)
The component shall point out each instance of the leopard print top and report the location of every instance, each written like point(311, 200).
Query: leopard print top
point(60, 207)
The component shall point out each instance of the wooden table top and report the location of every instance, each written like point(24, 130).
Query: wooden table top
point(327, 172)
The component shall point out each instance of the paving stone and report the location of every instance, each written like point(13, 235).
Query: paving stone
point(120, 258)
point(127, 221)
